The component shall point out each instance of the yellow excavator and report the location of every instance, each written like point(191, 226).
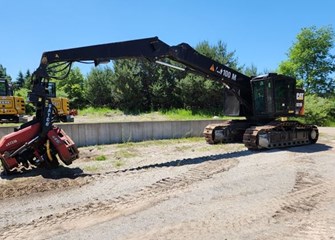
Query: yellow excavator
point(11, 107)
point(61, 103)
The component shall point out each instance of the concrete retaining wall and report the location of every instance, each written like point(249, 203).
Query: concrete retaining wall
point(86, 134)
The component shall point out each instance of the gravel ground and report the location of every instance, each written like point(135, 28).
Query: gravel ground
point(177, 189)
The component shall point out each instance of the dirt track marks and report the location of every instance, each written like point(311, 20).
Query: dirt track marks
point(66, 178)
point(302, 206)
point(127, 203)
point(305, 212)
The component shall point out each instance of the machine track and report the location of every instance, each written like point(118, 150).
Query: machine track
point(279, 134)
point(258, 135)
point(226, 132)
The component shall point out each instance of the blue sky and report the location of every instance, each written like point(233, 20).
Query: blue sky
point(260, 31)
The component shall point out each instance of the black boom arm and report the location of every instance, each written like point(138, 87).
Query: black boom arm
point(152, 49)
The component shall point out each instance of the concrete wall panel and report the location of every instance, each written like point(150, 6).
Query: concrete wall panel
point(87, 134)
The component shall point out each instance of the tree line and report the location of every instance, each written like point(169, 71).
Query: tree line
point(139, 85)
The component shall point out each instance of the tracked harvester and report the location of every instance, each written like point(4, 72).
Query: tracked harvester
point(261, 100)
point(272, 97)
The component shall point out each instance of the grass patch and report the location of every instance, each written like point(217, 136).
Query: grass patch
point(118, 163)
point(171, 114)
point(99, 147)
point(101, 158)
point(330, 123)
point(127, 145)
point(184, 114)
point(99, 111)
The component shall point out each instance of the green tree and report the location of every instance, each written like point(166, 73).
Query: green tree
point(98, 87)
point(131, 85)
point(219, 53)
point(73, 87)
point(251, 71)
point(20, 80)
point(310, 60)
point(140, 85)
point(318, 110)
point(197, 92)
point(27, 79)
point(3, 73)
point(164, 88)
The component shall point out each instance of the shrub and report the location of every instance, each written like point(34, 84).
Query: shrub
point(318, 110)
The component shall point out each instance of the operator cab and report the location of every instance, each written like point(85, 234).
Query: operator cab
point(273, 95)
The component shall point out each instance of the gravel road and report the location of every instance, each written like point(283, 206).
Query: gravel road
point(177, 189)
